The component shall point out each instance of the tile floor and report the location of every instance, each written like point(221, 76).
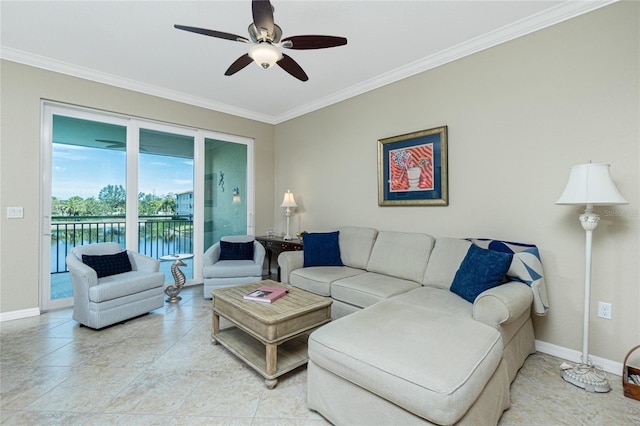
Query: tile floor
point(161, 369)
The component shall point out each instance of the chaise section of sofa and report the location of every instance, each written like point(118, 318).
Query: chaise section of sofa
point(433, 364)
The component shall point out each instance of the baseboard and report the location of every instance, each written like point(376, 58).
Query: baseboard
point(575, 356)
point(23, 313)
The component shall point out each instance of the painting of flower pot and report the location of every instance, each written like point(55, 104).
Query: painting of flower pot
point(412, 169)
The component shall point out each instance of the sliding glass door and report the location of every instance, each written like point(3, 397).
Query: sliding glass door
point(88, 192)
point(151, 187)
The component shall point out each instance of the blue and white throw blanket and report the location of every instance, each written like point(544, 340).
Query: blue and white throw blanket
point(525, 267)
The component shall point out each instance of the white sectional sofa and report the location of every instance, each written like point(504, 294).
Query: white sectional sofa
point(403, 348)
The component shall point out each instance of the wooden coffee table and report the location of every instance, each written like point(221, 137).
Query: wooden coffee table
point(270, 337)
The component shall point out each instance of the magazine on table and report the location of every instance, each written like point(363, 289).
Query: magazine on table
point(266, 294)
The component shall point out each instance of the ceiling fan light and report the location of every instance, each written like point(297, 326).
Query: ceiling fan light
point(265, 54)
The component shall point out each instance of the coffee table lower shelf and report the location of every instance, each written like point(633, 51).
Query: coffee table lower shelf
point(291, 353)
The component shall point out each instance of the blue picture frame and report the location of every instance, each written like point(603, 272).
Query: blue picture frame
point(412, 169)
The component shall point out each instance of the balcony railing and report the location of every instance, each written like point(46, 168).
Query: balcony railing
point(157, 235)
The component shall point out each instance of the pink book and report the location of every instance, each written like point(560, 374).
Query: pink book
point(266, 294)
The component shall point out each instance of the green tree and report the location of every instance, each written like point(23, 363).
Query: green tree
point(114, 197)
point(76, 206)
point(168, 204)
point(57, 207)
point(94, 207)
point(148, 204)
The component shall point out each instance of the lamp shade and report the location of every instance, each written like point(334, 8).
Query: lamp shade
point(265, 54)
point(288, 200)
point(591, 184)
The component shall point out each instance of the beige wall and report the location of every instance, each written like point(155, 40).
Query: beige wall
point(519, 116)
point(23, 88)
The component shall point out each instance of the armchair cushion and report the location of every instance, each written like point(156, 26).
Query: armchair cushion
point(125, 284)
point(480, 270)
point(236, 251)
point(232, 269)
point(108, 264)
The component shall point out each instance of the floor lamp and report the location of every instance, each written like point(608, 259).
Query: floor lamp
point(590, 185)
point(288, 203)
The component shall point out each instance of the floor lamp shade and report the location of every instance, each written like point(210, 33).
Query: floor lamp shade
point(589, 185)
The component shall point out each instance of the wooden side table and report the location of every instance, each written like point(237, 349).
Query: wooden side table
point(275, 246)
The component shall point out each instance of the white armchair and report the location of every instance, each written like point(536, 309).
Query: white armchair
point(225, 273)
point(102, 301)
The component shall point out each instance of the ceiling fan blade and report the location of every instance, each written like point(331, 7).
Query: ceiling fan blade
point(240, 63)
point(313, 42)
point(213, 33)
point(292, 67)
point(263, 15)
point(111, 142)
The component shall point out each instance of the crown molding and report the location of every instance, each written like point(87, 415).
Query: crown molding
point(61, 67)
point(564, 11)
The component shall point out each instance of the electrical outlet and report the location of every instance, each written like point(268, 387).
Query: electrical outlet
point(604, 310)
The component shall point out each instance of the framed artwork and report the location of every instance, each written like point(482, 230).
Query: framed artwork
point(412, 169)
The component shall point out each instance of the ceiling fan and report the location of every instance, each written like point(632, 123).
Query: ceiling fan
point(265, 38)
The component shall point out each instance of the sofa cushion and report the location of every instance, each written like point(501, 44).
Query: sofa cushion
point(444, 262)
point(318, 279)
point(437, 300)
point(108, 264)
point(366, 289)
point(236, 251)
point(480, 270)
point(432, 364)
point(401, 254)
point(356, 244)
point(125, 284)
point(321, 249)
point(232, 268)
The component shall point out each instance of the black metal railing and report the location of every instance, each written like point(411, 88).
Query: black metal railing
point(157, 235)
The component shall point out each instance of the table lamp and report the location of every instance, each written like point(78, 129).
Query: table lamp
point(288, 203)
point(591, 185)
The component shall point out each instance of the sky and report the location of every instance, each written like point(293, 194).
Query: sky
point(85, 171)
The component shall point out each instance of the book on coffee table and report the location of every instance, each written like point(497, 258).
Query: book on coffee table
point(266, 294)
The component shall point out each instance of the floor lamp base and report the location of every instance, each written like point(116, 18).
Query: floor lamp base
point(587, 377)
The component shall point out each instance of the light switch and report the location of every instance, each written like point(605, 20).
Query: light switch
point(15, 212)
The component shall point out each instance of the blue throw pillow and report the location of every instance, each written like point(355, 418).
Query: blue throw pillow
point(236, 251)
point(480, 270)
point(321, 249)
point(108, 264)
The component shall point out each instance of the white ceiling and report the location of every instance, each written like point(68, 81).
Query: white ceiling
point(133, 44)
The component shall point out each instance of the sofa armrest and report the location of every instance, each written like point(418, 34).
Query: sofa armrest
point(289, 261)
point(502, 304)
point(141, 262)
